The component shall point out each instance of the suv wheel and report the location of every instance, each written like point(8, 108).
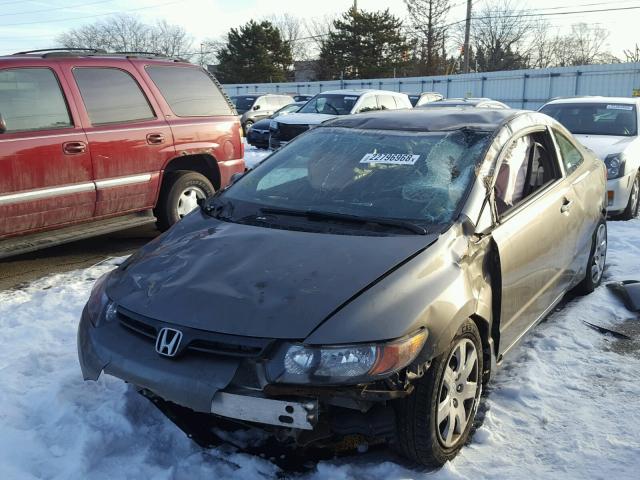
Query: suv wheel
point(634, 201)
point(596, 262)
point(437, 419)
point(247, 126)
point(179, 196)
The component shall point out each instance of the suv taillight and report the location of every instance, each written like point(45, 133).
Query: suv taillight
point(241, 140)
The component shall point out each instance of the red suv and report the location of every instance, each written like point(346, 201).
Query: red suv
point(92, 142)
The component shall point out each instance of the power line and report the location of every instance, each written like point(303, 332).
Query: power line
point(93, 16)
point(77, 5)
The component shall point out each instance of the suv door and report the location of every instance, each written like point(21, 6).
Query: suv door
point(130, 141)
point(535, 234)
point(45, 166)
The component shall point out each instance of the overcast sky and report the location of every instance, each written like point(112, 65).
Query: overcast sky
point(31, 24)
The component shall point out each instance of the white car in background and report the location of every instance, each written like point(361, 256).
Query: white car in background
point(330, 104)
point(609, 127)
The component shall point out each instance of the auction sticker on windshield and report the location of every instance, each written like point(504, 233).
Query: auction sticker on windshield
point(620, 107)
point(390, 158)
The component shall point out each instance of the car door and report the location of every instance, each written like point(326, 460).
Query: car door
point(45, 165)
point(129, 138)
point(534, 234)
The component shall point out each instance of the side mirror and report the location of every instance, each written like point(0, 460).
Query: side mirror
point(3, 124)
point(257, 107)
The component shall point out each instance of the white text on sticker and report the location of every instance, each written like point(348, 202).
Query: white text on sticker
point(619, 107)
point(390, 158)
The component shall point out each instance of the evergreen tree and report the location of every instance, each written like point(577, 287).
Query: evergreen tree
point(254, 53)
point(364, 45)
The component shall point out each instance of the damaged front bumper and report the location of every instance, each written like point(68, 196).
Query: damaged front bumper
point(235, 388)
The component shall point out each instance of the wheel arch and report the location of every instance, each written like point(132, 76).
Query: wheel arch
point(201, 163)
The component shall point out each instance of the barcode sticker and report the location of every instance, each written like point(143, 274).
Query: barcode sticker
point(390, 158)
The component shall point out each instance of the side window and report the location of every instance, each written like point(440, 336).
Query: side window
point(31, 99)
point(368, 104)
point(111, 95)
point(190, 92)
point(386, 102)
point(571, 157)
point(527, 166)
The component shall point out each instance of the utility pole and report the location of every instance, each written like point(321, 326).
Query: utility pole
point(355, 5)
point(467, 34)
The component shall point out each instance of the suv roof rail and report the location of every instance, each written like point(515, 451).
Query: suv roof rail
point(62, 49)
point(149, 55)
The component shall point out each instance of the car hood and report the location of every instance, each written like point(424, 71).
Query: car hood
point(262, 124)
point(253, 281)
point(603, 145)
point(304, 118)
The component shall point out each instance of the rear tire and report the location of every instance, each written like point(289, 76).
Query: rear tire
point(179, 195)
point(634, 201)
point(431, 429)
point(596, 262)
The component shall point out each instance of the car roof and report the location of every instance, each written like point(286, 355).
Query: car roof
point(107, 58)
point(597, 99)
point(426, 120)
point(360, 92)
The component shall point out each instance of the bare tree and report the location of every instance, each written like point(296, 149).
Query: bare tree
point(633, 55)
point(292, 30)
point(428, 18)
point(126, 33)
point(585, 45)
point(316, 32)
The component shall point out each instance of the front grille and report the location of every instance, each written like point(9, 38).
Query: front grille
point(288, 132)
point(196, 340)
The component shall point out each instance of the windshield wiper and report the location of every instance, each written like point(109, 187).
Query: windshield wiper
point(319, 215)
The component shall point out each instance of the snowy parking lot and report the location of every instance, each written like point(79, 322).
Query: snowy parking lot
point(565, 402)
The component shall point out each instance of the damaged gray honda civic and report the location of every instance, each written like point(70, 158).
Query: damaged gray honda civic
point(364, 281)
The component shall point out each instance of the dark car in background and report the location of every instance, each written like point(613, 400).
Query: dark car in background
point(465, 102)
point(425, 97)
point(92, 142)
point(258, 134)
point(254, 107)
point(364, 282)
point(303, 97)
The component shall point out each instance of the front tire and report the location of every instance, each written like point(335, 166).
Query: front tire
point(437, 419)
point(179, 195)
point(634, 201)
point(596, 262)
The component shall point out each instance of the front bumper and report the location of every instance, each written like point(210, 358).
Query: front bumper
point(618, 191)
point(258, 138)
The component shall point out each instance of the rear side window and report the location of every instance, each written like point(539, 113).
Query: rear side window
point(31, 99)
point(190, 92)
point(387, 102)
point(571, 157)
point(111, 95)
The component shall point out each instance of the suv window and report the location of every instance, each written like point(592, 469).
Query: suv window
point(31, 99)
point(571, 157)
point(111, 95)
point(190, 92)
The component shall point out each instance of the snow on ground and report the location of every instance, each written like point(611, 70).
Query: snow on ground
point(253, 155)
point(566, 403)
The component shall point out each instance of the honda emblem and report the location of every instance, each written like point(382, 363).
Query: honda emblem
point(168, 342)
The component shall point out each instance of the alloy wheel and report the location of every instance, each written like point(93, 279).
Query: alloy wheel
point(188, 200)
point(458, 393)
point(633, 199)
point(599, 254)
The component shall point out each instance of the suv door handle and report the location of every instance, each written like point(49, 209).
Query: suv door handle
point(566, 206)
point(155, 138)
point(74, 148)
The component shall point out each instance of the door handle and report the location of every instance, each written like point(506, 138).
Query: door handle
point(566, 206)
point(74, 148)
point(155, 138)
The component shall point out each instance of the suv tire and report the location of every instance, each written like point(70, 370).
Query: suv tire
point(179, 194)
point(423, 434)
point(597, 258)
point(633, 206)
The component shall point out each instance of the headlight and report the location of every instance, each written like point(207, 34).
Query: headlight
point(99, 306)
point(345, 363)
point(615, 165)
point(273, 125)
